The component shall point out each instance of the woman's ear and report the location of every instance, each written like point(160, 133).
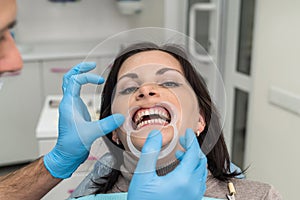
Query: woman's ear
point(201, 124)
point(115, 137)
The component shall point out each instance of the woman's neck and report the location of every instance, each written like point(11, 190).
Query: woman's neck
point(128, 167)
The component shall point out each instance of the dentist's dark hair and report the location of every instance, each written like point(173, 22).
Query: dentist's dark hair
point(218, 158)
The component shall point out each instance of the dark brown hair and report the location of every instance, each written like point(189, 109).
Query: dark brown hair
point(218, 158)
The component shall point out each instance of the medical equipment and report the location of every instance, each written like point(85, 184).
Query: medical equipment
point(232, 192)
point(130, 7)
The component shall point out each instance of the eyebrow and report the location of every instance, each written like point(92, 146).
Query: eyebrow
point(163, 70)
point(130, 75)
point(9, 26)
point(159, 72)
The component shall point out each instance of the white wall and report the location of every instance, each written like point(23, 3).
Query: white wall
point(41, 20)
point(273, 138)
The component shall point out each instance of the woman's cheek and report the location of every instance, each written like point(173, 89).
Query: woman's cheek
point(120, 105)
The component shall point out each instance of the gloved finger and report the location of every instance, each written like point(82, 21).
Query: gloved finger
point(193, 152)
point(75, 82)
point(79, 68)
point(201, 171)
point(189, 138)
point(102, 127)
point(182, 141)
point(179, 154)
point(205, 171)
point(202, 167)
point(146, 167)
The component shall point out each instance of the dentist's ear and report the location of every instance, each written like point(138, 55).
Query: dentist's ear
point(201, 125)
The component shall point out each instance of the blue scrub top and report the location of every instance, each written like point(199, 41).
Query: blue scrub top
point(118, 196)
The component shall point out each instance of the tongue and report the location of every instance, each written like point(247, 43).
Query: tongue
point(151, 118)
point(148, 117)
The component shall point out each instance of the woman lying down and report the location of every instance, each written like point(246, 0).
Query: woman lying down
point(157, 88)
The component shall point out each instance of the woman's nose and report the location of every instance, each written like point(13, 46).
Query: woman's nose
point(147, 91)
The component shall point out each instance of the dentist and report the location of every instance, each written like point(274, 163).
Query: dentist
point(77, 133)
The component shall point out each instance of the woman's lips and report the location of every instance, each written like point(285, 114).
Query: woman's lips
point(156, 115)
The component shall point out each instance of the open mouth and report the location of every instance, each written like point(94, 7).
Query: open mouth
point(157, 115)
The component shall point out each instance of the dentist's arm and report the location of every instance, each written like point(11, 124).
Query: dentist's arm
point(186, 181)
point(30, 182)
point(76, 134)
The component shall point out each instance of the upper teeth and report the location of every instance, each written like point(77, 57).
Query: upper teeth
point(150, 111)
point(161, 112)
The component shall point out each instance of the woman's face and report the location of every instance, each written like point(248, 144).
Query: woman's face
point(153, 93)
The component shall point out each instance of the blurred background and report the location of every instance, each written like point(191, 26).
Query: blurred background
point(255, 44)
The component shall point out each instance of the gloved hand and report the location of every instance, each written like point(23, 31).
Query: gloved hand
point(76, 130)
point(186, 181)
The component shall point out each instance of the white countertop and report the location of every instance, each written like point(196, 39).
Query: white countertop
point(48, 121)
point(55, 50)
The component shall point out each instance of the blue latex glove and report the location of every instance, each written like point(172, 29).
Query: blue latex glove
point(186, 181)
point(76, 130)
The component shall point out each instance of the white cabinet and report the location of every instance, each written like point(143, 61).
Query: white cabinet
point(53, 72)
point(20, 106)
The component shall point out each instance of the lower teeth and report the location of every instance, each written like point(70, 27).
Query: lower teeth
point(152, 122)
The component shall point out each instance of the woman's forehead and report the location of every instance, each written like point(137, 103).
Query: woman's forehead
point(154, 57)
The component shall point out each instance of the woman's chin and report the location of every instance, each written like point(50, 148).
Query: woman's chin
point(139, 138)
